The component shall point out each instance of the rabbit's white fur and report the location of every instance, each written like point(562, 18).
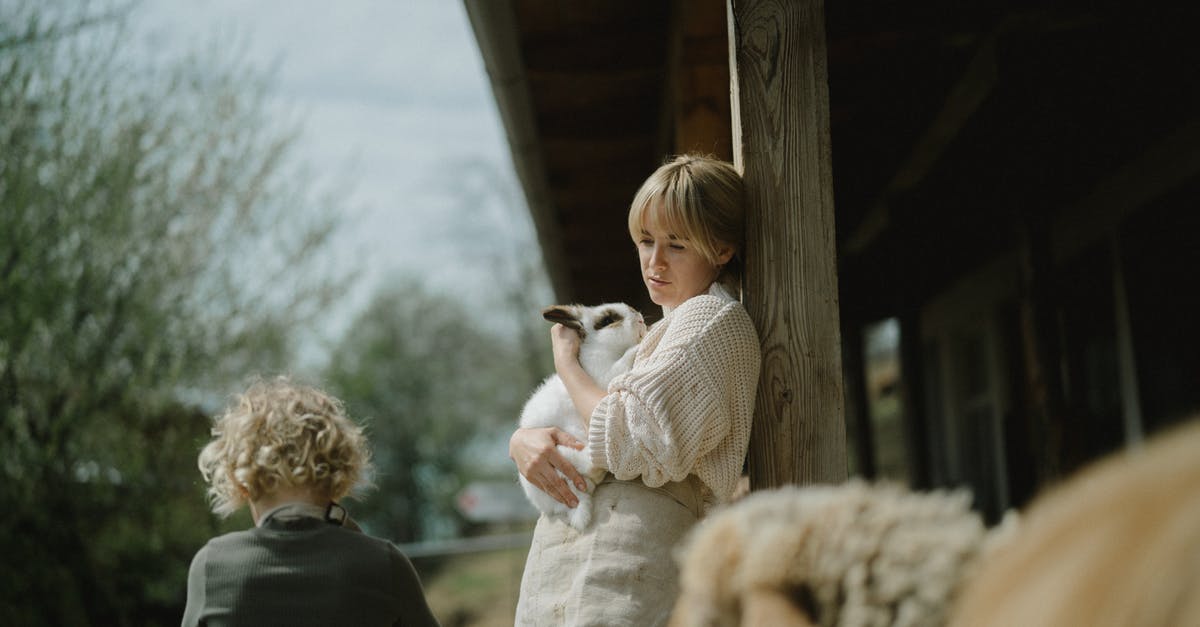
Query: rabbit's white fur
point(610, 334)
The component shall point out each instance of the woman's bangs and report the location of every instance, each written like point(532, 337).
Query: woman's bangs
point(664, 216)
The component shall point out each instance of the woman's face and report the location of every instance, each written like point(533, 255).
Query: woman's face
point(672, 268)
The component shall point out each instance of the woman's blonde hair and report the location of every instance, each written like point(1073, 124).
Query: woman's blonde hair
point(698, 198)
point(279, 434)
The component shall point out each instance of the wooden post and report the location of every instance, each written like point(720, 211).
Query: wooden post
point(1040, 346)
point(780, 119)
point(858, 411)
point(1131, 404)
point(912, 393)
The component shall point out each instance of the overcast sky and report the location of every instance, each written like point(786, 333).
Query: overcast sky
point(394, 97)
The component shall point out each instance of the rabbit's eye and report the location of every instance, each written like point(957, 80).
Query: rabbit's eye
point(609, 318)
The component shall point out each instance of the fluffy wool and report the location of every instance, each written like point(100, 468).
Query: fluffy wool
point(1116, 545)
point(850, 555)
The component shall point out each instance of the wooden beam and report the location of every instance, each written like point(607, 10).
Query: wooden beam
point(860, 430)
point(1041, 346)
point(780, 119)
point(1165, 165)
point(912, 396)
point(495, 26)
point(1131, 396)
point(700, 75)
point(971, 91)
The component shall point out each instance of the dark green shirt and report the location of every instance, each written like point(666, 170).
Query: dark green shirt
point(300, 570)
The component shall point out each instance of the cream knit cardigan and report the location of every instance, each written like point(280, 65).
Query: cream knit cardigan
point(685, 406)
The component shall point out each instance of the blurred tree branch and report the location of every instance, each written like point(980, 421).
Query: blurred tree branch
point(34, 33)
point(156, 250)
point(427, 375)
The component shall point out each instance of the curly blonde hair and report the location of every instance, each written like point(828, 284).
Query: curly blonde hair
point(279, 434)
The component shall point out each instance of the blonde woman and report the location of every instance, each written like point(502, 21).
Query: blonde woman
point(672, 433)
point(291, 453)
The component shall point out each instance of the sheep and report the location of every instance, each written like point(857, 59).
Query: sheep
point(1116, 544)
point(855, 554)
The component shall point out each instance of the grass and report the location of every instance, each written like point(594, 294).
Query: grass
point(479, 590)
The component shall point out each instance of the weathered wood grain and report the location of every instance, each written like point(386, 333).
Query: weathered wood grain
point(780, 112)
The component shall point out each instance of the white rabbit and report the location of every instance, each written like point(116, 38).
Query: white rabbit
point(610, 334)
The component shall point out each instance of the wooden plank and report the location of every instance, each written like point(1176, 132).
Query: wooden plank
point(618, 46)
point(495, 27)
point(1041, 348)
point(967, 96)
point(702, 123)
point(700, 74)
point(597, 244)
point(598, 105)
point(1131, 396)
point(541, 17)
point(912, 395)
point(858, 409)
point(605, 152)
point(1167, 164)
point(780, 114)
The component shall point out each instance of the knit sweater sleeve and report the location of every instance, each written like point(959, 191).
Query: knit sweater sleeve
point(686, 407)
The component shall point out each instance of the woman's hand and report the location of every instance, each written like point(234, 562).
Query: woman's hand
point(566, 343)
point(584, 392)
point(536, 454)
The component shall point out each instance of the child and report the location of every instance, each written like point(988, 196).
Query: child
point(290, 453)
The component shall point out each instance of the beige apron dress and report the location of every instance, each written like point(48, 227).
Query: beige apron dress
point(621, 569)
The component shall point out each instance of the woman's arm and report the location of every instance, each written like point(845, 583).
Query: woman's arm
point(692, 396)
point(584, 392)
point(535, 450)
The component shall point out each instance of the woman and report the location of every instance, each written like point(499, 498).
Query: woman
point(672, 433)
point(291, 453)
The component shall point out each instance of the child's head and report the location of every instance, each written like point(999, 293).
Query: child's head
point(700, 199)
point(281, 435)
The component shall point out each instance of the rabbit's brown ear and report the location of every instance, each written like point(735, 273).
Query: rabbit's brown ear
point(563, 315)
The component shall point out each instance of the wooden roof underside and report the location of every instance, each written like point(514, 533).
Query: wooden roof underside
point(950, 122)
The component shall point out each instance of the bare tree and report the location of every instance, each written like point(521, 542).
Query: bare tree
point(155, 246)
point(429, 377)
point(504, 248)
